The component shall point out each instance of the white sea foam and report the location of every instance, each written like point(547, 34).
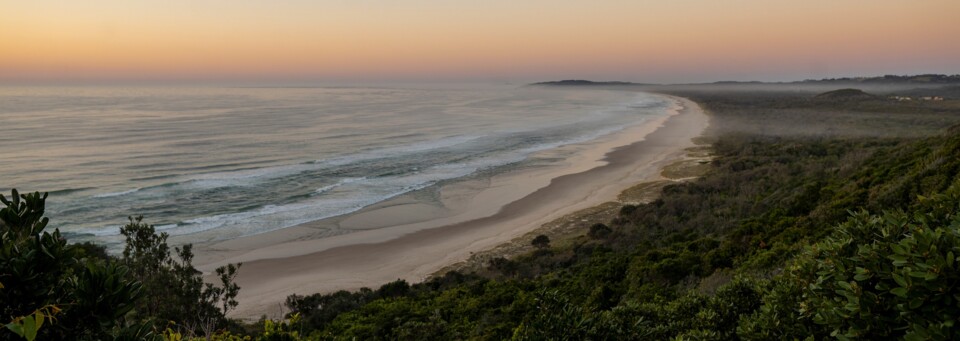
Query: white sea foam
point(398, 151)
point(244, 161)
point(247, 176)
point(273, 217)
point(116, 194)
point(328, 188)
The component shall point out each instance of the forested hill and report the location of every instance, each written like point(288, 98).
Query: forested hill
point(894, 79)
point(796, 231)
point(916, 80)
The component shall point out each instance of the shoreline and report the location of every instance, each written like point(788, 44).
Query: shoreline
point(571, 227)
point(411, 238)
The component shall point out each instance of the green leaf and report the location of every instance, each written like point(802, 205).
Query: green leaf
point(29, 328)
point(15, 327)
point(898, 260)
point(916, 303)
point(950, 260)
point(902, 292)
point(898, 249)
point(900, 280)
point(913, 337)
point(844, 285)
point(39, 319)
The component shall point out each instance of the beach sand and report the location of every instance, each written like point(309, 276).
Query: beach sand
point(414, 236)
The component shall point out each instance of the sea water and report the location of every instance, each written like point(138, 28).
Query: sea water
point(230, 162)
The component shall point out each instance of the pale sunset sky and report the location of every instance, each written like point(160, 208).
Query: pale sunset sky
point(509, 40)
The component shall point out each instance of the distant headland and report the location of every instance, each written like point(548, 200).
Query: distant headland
point(581, 82)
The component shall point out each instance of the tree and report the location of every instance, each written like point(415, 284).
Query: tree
point(541, 241)
point(599, 230)
point(178, 292)
point(147, 253)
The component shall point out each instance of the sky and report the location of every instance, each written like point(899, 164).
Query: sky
point(489, 40)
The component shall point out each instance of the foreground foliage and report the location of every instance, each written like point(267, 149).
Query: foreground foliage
point(876, 277)
point(52, 290)
point(178, 292)
point(47, 282)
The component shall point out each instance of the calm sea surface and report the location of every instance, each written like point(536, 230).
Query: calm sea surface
point(237, 161)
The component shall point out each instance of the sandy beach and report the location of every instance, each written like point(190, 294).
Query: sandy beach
point(413, 236)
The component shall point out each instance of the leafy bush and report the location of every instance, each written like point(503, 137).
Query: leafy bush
point(178, 292)
point(599, 230)
point(40, 274)
point(877, 277)
point(540, 241)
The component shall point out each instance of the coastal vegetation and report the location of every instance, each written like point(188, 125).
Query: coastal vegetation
point(818, 217)
point(52, 290)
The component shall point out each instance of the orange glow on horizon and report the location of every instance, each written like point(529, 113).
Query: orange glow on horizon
point(658, 41)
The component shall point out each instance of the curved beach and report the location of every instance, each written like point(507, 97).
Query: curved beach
point(411, 237)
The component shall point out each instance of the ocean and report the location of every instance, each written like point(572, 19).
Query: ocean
point(230, 162)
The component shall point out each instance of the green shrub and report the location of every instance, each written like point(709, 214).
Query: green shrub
point(878, 277)
point(40, 274)
point(890, 275)
point(178, 292)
